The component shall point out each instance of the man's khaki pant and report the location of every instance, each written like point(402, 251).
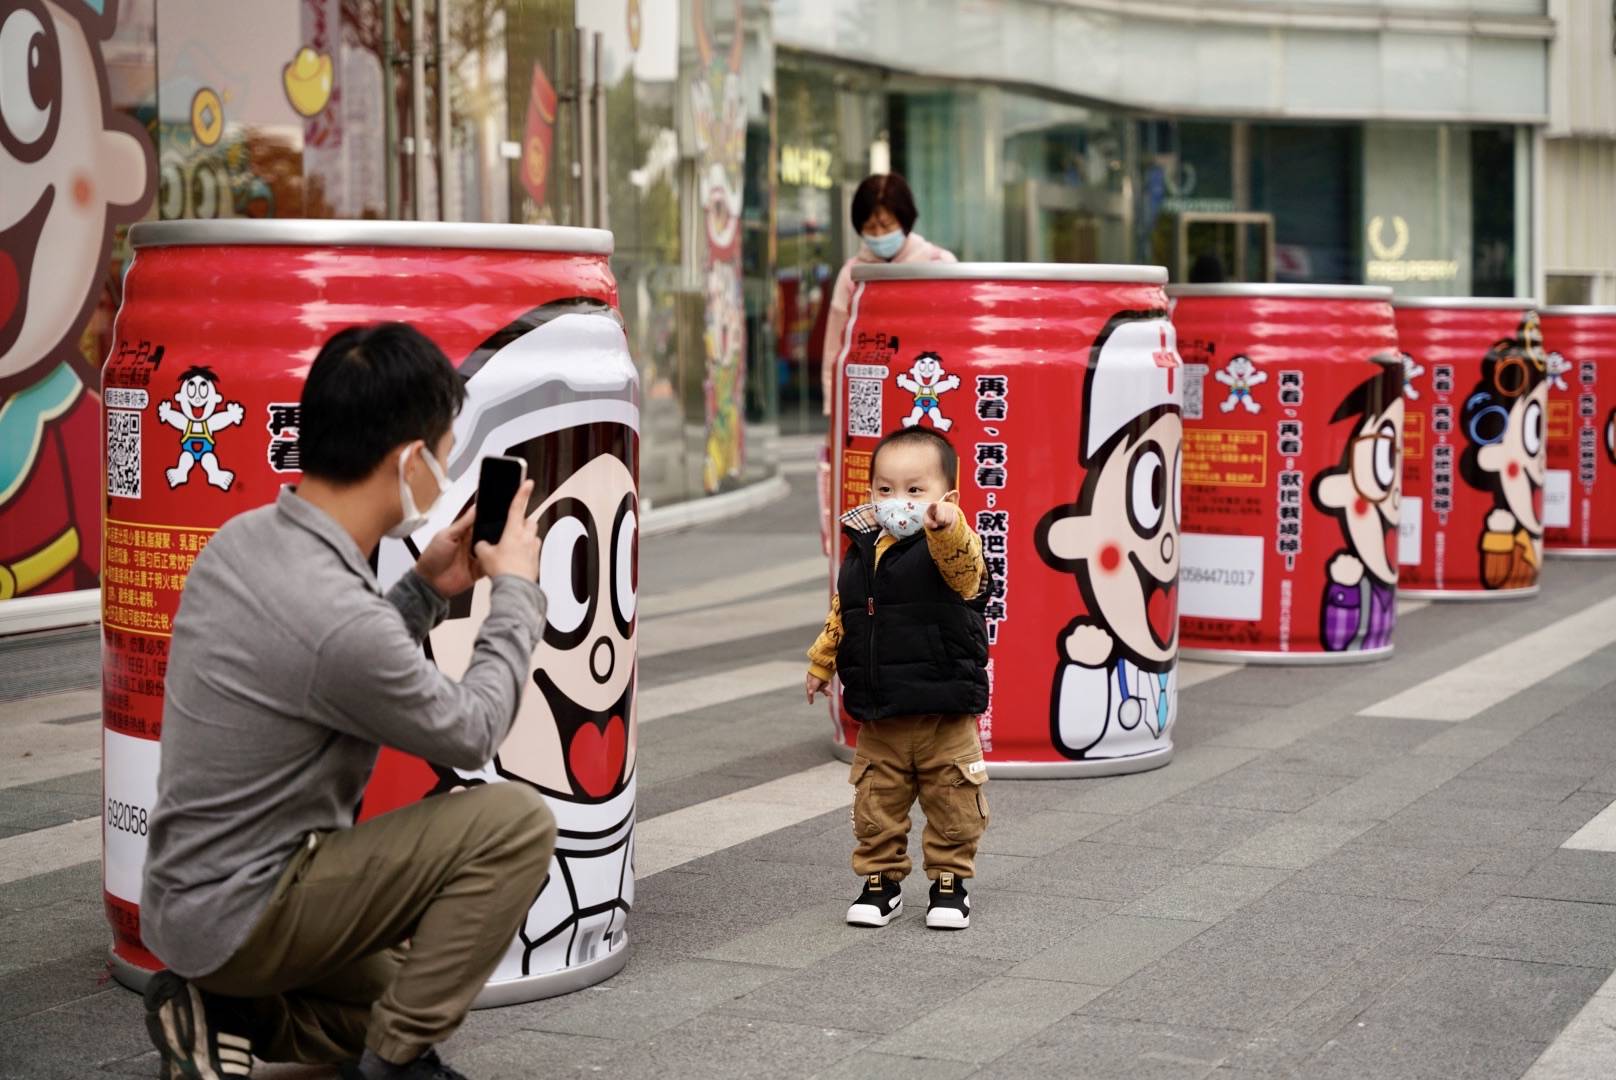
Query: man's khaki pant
point(940, 759)
point(326, 967)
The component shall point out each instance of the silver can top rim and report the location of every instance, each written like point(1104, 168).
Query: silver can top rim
point(1485, 303)
point(1270, 290)
point(1107, 273)
point(343, 233)
point(1578, 309)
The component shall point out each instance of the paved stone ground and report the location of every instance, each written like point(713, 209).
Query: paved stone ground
point(1303, 892)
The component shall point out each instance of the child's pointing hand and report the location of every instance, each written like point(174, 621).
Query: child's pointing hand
point(941, 515)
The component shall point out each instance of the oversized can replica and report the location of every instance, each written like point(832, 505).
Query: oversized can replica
point(1060, 387)
point(1293, 440)
point(1579, 492)
point(219, 324)
point(1476, 398)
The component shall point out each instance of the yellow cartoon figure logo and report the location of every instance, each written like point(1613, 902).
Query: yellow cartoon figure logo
point(308, 81)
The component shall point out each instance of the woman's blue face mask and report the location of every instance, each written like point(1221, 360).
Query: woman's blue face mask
point(886, 245)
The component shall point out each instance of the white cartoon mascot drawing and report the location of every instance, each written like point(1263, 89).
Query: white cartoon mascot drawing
point(1240, 375)
point(559, 390)
point(1557, 368)
point(1116, 684)
point(1412, 370)
point(198, 420)
point(927, 382)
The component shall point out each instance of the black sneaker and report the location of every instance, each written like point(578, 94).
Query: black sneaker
point(199, 1035)
point(879, 903)
point(426, 1067)
point(950, 907)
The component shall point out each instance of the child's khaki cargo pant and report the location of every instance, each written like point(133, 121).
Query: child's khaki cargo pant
point(936, 757)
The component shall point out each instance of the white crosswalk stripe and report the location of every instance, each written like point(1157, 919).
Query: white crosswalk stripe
point(740, 586)
point(45, 850)
point(1477, 685)
point(801, 610)
point(705, 691)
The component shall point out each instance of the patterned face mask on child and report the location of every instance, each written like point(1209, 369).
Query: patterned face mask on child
point(900, 517)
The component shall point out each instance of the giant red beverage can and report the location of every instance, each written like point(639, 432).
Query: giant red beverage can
point(1293, 440)
point(1477, 401)
point(1060, 388)
point(1579, 492)
point(219, 324)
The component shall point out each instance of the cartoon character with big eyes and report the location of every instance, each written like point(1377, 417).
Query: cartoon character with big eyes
point(559, 391)
point(1503, 426)
point(1364, 493)
point(71, 170)
point(1116, 691)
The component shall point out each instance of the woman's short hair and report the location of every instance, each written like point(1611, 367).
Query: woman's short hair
point(884, 190)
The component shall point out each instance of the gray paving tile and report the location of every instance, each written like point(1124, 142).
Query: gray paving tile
point(1259, 786)
point(36, 809)
point(1038, 833)
point(1292, 844)
point(1408, 873)
point(860, 989)
point(1542, 932)
point(50, 932)
point(1208, 893)
point(73, 883)
point(1585, 1049)
point(1204, 830)
point(719, 1047)
point(522, 1055)
point(1142, 791)
point(1100, 1048)
point(1004, 925)
point(864, 1064)
point(1356, 745)
point(989, 1020)
point(644, 1000)
point(796, 941)
point(73, 1038)
point(1099, 871)
point(1467, 898)
point(1567, 874)
point(1108, 951)
point(33, 989)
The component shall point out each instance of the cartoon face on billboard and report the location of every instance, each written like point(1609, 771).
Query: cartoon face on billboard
point(1115, 692)
point(1364, 494)
point(73, 170)
point(1503, 424)
point(560, 391)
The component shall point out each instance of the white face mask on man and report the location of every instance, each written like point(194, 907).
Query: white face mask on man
point(415, 518)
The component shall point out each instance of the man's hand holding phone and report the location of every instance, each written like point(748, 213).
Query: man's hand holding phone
point(517, 551)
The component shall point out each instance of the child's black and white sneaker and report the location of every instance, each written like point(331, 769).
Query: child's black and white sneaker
point(199, 1035)
point(950, 907)
point(879, 903)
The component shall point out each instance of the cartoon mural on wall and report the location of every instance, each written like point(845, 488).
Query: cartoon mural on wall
point(1503, 425)
point(719, 111)
point(72, 170)
point(1116, 683)
point(1364, 493)
point(559, 390)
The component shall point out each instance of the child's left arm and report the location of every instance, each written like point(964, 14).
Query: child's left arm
point(955, 548)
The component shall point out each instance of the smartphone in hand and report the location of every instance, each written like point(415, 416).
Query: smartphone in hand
point(496, 487)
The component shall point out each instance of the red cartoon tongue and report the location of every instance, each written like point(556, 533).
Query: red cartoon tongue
point(1162, 611)
point(596, 756)
point(10, 287)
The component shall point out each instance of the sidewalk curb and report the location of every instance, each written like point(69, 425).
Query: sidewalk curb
point(704, 511)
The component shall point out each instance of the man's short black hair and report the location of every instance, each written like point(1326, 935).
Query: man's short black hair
point(888, 190)
point(372, 389)
point(919, 436)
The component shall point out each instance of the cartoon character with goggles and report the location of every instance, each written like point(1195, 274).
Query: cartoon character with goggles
point(1503, 426)
point(1364, 493)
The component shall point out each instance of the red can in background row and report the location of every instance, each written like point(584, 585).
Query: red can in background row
point(1293, 444)
point(1477, 403)
point(1579, 494)
point(218, 326)
point(1060, 387)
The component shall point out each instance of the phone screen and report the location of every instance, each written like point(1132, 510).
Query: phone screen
point(496, 487)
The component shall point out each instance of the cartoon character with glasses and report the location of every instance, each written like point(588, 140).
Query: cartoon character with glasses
point(558, 389)
point(1364, 493)
point(1116, 686)
point(1503, 426)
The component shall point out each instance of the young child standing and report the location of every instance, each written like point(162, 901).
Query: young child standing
point(905, 632)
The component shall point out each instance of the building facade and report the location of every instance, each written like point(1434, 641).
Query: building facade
point(1578, 206)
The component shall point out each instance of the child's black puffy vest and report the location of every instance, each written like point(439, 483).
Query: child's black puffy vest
point(910, 645)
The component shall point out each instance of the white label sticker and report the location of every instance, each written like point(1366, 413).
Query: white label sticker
point(1221, 577)
point(1410, 531)
point(867, 371)
point(1557, 498)
point(129, 777)
point(122, 397)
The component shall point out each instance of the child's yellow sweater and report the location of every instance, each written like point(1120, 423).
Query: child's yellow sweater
point(956, 550)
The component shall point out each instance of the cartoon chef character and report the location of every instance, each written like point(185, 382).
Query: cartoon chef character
point(926, 380)
point(559, 390)
point(1364, 494)
point(1116, 691)
point(1503, 425)
point(198, 419)
point(1240, 375)
point(72, 170)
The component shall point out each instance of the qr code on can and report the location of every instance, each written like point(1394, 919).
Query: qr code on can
point(123, 454)
point(1194, 390)
point(864, 407)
